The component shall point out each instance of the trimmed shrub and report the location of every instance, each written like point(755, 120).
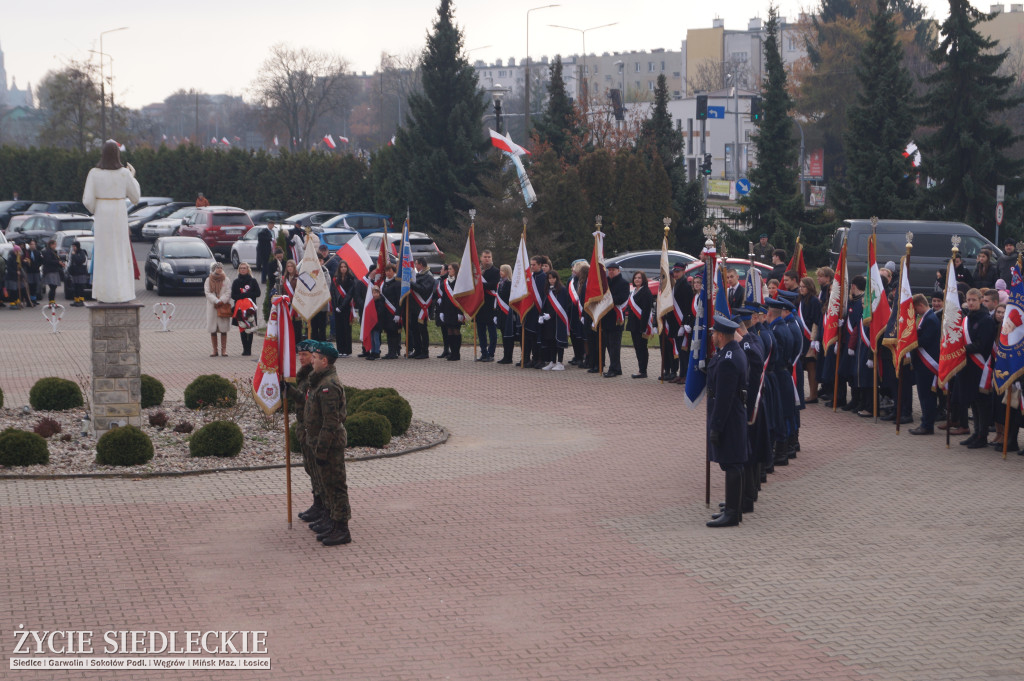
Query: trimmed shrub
point(152, 392)
point(22, 448)
point(217, 438)
point(124, 446)
point(159, 419)
point(183, 427)
point(394, 408)
point(210, 390)
point(355, 402)
point(368, 429)
point(55, 394)
point(47, 427)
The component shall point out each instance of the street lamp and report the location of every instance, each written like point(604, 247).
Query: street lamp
point(583, 33)
point(498, 92)
point(734, 77)
point(103, 91)
point(622, 74)
point(529, 82)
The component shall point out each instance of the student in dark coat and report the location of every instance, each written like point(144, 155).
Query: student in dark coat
point(1007, 260)
point(506, 318)
point(486, 327)
point(555, 323)
point(245, 288)
point(758, 444)
point(78, 270)
point(388, 317)
point(451, 315)
point(778, 265)
point(727, 417)
point(539, 291)
point(809, 310)
point(53, 270)
point(343, 292)
point(980, 334)
point(782, 367)
point(641, 300)
point(926, 363)
point(577, 334)
point(985, 271)
point(264, 246)
point(612, 322)
point(421, 298)
point(671, 324)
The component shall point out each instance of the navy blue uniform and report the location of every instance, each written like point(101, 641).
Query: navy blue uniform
point(727, 410)
point(925, 359)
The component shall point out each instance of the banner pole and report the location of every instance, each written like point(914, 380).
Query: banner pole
point(874, 372)
point(899, 396)
point(949, 416)
point(522, 344)
point(1006, 421)
point(287, 457)
point(473, 321)
point(600, 351)
point(407, 326)
point(661, 347)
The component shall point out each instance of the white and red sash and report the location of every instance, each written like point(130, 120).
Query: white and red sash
point(633, 307)
point(538, 297)
point(678, 312)
point(800, 320)
point(983, 363)
point(344, 294)
point(424, 305)
point(289, 291)
point(574, 297)
point(502, 305)
point(558, 308)
point(620, 312)
point(451, 295)
point(652, 328)
point(387, 303)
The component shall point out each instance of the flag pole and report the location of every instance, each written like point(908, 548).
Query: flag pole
point(287, 457)
point(709, 277)
point(905, 268)
point(522, 317)
point(949, 415)
point(407, 326)
point(1006, 420)
point(473, 322)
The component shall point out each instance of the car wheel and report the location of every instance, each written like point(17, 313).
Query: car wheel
point(234, 259)
point(161, 290)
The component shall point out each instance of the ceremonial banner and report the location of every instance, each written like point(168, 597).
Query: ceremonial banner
point(665, 301)
point(277, 359)
point(696, 378)
point(837, 300)
point(406, 272)
point(368, 317)
point(312, 290)
point(906, 326)
point(519, 295)
point(876, 304)
point(598, 301)
point(469, 284)
point(1009, 348)
point(796, 263)
point(953, 346)
point(357, 257)
point(754, 286)
point(721, 305)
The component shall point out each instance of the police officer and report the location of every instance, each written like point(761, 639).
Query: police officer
point(727, 417)
point(296, 404)
point(758, 441)
point(782, 367)
point(324, 420)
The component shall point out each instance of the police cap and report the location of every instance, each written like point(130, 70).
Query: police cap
point(725, 325)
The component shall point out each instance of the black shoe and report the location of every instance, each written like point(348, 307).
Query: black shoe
point(978, 444)
point(389, 356)
point(727, 518)
point(330, 529)
point(321, 525)
point(595, 370)
point(850, 406)
point(642, 374)
point(504, 361)
point(814, 401)
point(891, 416)
point(443, 355)
point(906, 419)
point(921, 430)
point(372, 356)
point(481, 358)
point(969, 441)
point(828, 404)
point(314, 512)
point(488, 358)
point(340, 535)
point(612, 374)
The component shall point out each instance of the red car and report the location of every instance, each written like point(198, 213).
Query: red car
point(218, 227)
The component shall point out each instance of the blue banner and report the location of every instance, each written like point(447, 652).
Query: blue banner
point(1009, 346)
point(405, 268)
point(696, 376)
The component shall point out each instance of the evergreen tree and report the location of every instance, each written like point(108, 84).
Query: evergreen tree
point(558, 126)
point(965, 155)
point(442, 148)
point(657, 136)
point(774, 203)
point(878, 180)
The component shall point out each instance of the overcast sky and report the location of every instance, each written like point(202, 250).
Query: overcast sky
point(217, 46)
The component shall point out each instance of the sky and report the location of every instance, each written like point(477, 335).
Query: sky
point(218, 46)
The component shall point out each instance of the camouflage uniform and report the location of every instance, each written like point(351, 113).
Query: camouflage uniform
point(325, 437)
point(296, 405)
point(763, 254)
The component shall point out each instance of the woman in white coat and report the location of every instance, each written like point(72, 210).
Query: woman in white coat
point(218, 295)
point(106, 188)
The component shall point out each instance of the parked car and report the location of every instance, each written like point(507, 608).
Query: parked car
point(42, 226)
point(244, 250)
point(648, 262)
point(312, 219)
point(364, 223)
point(178, 263)
point(146, 201)
point(166, 226)
point(262, 216)
point(16, 220)
point(336, 237)
point(86, 242)
point(931, 247)
point(219, 227)
point(5, 246)
point(66, 238)
point(9, 208)
point(420, 244)
point(58, 207)
point(138, 219)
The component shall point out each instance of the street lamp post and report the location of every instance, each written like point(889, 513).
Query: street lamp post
point(529, 82)
point(583, 32)
point(622, 75)
point(498, 93)
point(103, 91)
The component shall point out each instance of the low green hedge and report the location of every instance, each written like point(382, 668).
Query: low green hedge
point(22, 448)
point(124, 446)
point(368, 429)
point(55, 394)
point(217, 438)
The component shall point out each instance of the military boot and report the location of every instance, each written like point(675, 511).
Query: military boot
point(322, 524)
point(732, 513)
point(330, 526)
point(781, 453)
point(314, 512)
point(340, 535)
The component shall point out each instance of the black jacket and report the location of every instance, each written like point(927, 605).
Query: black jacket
point(727, 409)
point(390, 291)
point(341, 304)
point(77, 263)
point(644, 299)
point(51, 262)
point(491, 276)
point(245, 286)
point(619, 288)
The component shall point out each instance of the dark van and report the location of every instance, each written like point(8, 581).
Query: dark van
point(931, 247)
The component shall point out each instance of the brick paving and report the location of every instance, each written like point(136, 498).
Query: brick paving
point(558, 535)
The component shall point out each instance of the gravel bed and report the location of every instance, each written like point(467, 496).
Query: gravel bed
point(72, 453)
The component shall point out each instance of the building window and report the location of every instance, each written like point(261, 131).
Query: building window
point(675, 74)
point(792, 44)
point(650, 66)
point(662, 66)
point(636, 68)
point(650, 85)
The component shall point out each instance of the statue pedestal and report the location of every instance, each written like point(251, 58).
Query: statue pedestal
point(116, 383)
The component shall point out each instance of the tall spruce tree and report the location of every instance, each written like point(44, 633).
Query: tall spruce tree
point(965, 155)
point(878, 180)
point(442, 147)
point(657, 136)
point(558, 126)
point(774, 204)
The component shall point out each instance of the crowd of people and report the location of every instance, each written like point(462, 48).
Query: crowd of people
point(30, 275)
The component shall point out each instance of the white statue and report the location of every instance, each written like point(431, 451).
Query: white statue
point(106, 188)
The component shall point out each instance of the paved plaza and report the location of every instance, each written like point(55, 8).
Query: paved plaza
point(559, 534)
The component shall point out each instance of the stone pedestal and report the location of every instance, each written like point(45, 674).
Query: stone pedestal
point(116, 383)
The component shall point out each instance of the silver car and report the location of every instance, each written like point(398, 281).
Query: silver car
point(167, 226)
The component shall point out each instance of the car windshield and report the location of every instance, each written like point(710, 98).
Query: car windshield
point(186, 250)
point(84, 225)
point(36, 207)
point(7, 205)
point(231, 219)
point(147, 211)
point(337, 238)
point(182, 212)
point(337, 221)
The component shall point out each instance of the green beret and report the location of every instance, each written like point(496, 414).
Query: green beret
point(326, 349)
point(306, 346)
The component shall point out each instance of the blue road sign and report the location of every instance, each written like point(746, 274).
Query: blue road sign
point(716, 112)
point(743, 186)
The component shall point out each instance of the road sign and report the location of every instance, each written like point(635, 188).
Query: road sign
point(999, 213)
point(1000, 192)
point(743, 186)
point(716, 112)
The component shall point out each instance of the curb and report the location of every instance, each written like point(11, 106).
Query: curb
point(445, 434)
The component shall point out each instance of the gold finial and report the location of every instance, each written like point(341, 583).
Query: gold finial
point(874, 221)
point(910, 239)
point(955, 239)
point(309, 230)
point(597, 221)
point(666, 222)
point(524, 223)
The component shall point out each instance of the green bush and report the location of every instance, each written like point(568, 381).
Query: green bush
point(124, 446)
point(55, 394)
point(152, 392)
point(217, 438)
point(22, 448)
point(210, 390)
point(394, 408)
point(354, 402)
point(368, 429)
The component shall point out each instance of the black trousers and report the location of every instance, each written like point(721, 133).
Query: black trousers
point(343, 333)
point(487, 335)
point(611, 338)
point(419, 337)
point(246, 342)
point(318, 326)
point(640, 347)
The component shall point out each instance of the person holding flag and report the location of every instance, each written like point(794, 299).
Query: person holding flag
point(538, 294)
point(555, 323)
point(520, 299)
point(469, 287)
point(451, 315)
point(343, 294)
point(641, 300)
point(486, 318)
point(422, 292)
point(386, 299)
point(612, 322)
point(925, 362)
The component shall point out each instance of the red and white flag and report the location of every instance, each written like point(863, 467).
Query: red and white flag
point(598, 300)
point(356, 256)
point(796, 263)
point(906, 324)
point(505, 143)
point(329, 141)
point(368, 318)
point(877, 310)
point(519, 295)
point(953, 345)
point(342, 138)
point(837, 300)
point(277, 359)
point(275, 141)
point(469, 284)
point(213, 140)
point(224, 141)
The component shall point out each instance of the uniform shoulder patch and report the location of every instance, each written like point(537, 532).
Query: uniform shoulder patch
point(728, 355)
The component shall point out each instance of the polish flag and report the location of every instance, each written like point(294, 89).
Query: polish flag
point(519, 296)
point(329, 141)
point(224, 141)
point(469, 284)
point(368, 319)
point(598, 299)
point(275, 141)
point(213, 140)
point(391, 142)
point(906, 327)
point(505, 143)
point(953, 345)
point(839, 294)
point(277, 359)
point(356, 256)
point(343, 139)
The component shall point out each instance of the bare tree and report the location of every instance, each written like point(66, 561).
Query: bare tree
point(710, 75)
point(298, 87)
point(70, 101)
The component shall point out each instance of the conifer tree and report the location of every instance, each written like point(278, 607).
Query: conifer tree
point(442, 147)
point(658, 137)
point(774, 204)
point(965, 155)
point(558, 126)
point(879, 179)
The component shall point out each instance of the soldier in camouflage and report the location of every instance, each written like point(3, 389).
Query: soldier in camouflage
point(296, 403)
point(325, 436)
point(763, 250)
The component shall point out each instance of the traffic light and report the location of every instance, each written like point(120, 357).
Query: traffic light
point(705, 167)
point(702, 107)
point(756, 112)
